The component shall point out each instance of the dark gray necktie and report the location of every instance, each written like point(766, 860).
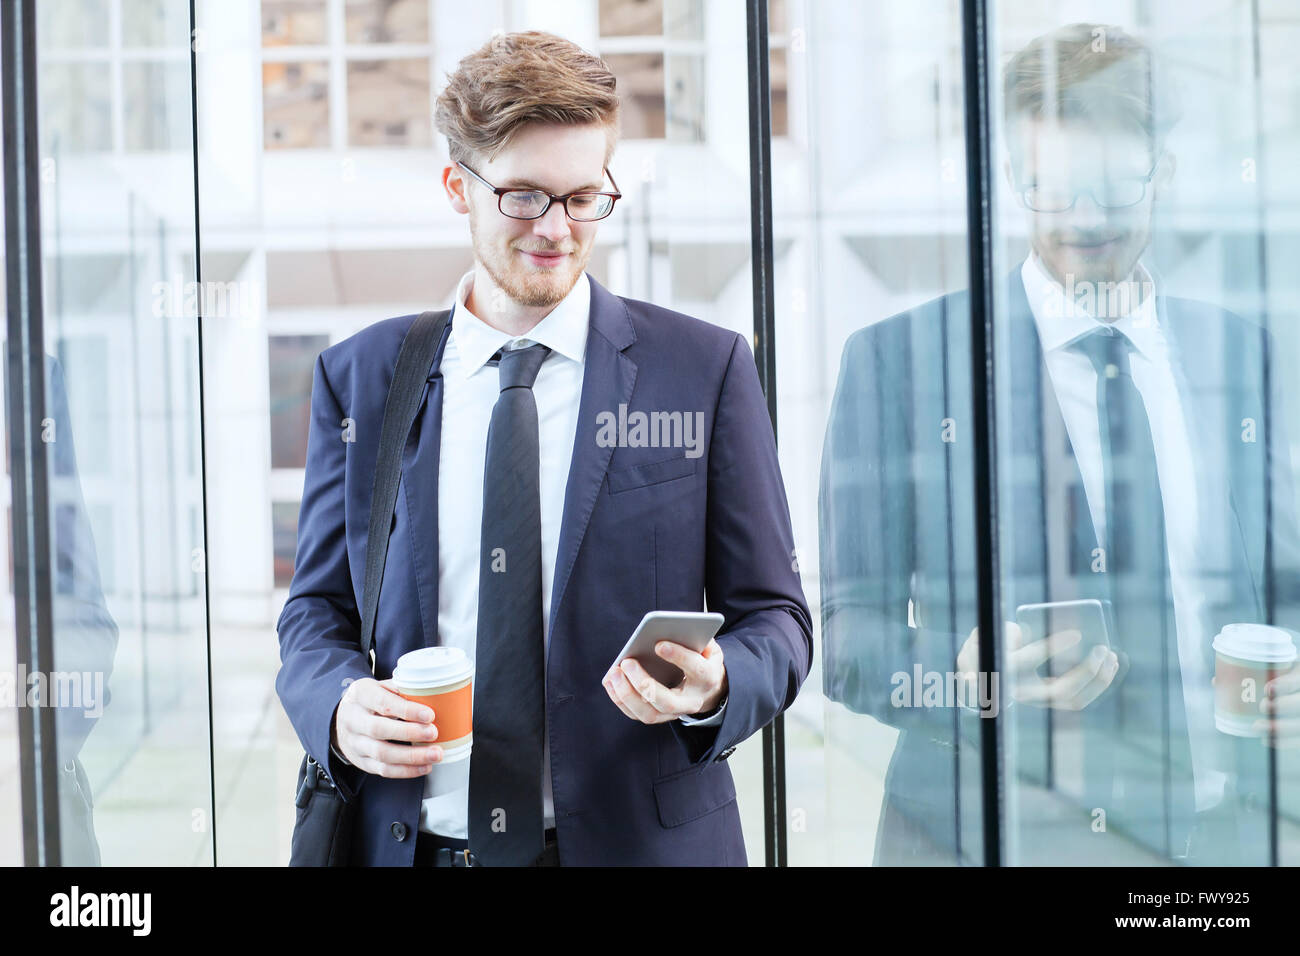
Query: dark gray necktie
point(505, 773)
point(1149, 751)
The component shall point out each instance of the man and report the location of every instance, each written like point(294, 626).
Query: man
point(574, 761)
point(1129, 473)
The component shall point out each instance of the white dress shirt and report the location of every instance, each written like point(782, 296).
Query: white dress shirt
point(1060, 323)
point(470, 391)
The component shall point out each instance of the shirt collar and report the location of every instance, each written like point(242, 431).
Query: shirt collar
point(1062, 321)
point(562, 330)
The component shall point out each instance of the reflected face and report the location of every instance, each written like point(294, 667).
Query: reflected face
point(1099, 169)
point(536, 262)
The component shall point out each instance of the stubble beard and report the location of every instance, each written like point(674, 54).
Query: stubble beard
point(525, 286)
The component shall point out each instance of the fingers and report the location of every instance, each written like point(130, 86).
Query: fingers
point(697, 668)
point(1082, 684)
point(371, 716)
point(1288, 683)
point(1281, 734)
point(1030, 656)
point(1094, 686)
point(630, 701)
point(382, 698)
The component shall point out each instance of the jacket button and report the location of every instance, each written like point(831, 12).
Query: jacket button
point(399, 831)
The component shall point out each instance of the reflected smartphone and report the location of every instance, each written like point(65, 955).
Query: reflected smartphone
point(693, 629)
point(1091, 617)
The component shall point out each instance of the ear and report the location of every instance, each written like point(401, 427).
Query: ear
point(1165, 168)
point(453, 181)
point(1006, 171)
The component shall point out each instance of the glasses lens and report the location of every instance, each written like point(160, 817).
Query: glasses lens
point(588, 206)
point(1123, 192)
point(1047, 199)
point(523, 203)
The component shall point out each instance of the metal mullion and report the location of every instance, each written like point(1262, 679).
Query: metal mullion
point(760, 199)
point(28, 455)
point(979, 237)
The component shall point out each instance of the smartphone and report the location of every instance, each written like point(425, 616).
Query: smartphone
point(693, 629)
point(1090, 617)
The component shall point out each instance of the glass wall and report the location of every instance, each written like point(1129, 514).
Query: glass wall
point(1142, 329)
point(121, 436)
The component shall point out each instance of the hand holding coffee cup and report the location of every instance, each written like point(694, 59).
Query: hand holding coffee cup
point(371, 716)
point(442, 680)
point(1256, 683)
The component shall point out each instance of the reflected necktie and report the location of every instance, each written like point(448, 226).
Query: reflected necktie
point(1148, 756)
point(506, 765)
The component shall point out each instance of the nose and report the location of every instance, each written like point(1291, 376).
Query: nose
point(553, 225)
point(1087, 212)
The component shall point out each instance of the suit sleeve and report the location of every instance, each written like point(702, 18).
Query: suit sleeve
point(868, 529)
point(750, 572)
point(85, 633)
point(320, 626)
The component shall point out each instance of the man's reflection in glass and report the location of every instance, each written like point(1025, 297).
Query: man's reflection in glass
point(1138, 498)
point(84, 632)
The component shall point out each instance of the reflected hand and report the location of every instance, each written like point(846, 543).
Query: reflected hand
point(1074, 690)
point(1282, 703)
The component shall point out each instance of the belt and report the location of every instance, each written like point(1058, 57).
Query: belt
point(433, 849)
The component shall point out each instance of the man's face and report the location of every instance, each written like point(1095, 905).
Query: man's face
point(536, 262)
point(1089, 242)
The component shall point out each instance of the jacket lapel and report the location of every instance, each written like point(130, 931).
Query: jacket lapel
point(607, 382)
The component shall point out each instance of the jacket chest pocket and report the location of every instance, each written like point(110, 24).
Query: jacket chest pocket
point(650, 473)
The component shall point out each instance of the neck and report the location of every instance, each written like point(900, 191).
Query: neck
point(491, 304)
point(1108, 300)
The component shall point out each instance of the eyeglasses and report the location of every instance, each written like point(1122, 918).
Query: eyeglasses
point(1112, 194)
point(534, 203)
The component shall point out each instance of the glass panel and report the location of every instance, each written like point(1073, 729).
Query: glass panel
point(295, 105)
point(387, 21)
point(873, 379)
point(1145, 430)
point(152, 23)
point(292, 359)
point(76, 112)
point(67, 24)
point(779, 84)
point(284, 538)
point(687, 94)
point(155, 105)
point(641, 93)
point(129, 622)
point(388, 103)
point(293, 22)
point(619, 18)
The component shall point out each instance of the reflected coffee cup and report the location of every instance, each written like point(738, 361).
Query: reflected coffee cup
point(1246, 658)
point(441, 678)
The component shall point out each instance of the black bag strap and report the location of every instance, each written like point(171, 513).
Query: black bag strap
point(419, 348)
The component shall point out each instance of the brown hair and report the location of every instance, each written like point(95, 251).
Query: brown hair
point(1090, 72)
point(520, 78)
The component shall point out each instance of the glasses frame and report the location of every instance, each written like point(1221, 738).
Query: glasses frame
point(1023, 193)
point(500, 191)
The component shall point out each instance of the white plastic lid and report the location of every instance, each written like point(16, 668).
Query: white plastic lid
point(1256, 642)
point(432, 667)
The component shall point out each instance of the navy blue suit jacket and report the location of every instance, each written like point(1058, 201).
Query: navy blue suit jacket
point(644, 528)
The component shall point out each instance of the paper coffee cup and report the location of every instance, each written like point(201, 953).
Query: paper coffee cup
point(441, 678)
point(1246, 658)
